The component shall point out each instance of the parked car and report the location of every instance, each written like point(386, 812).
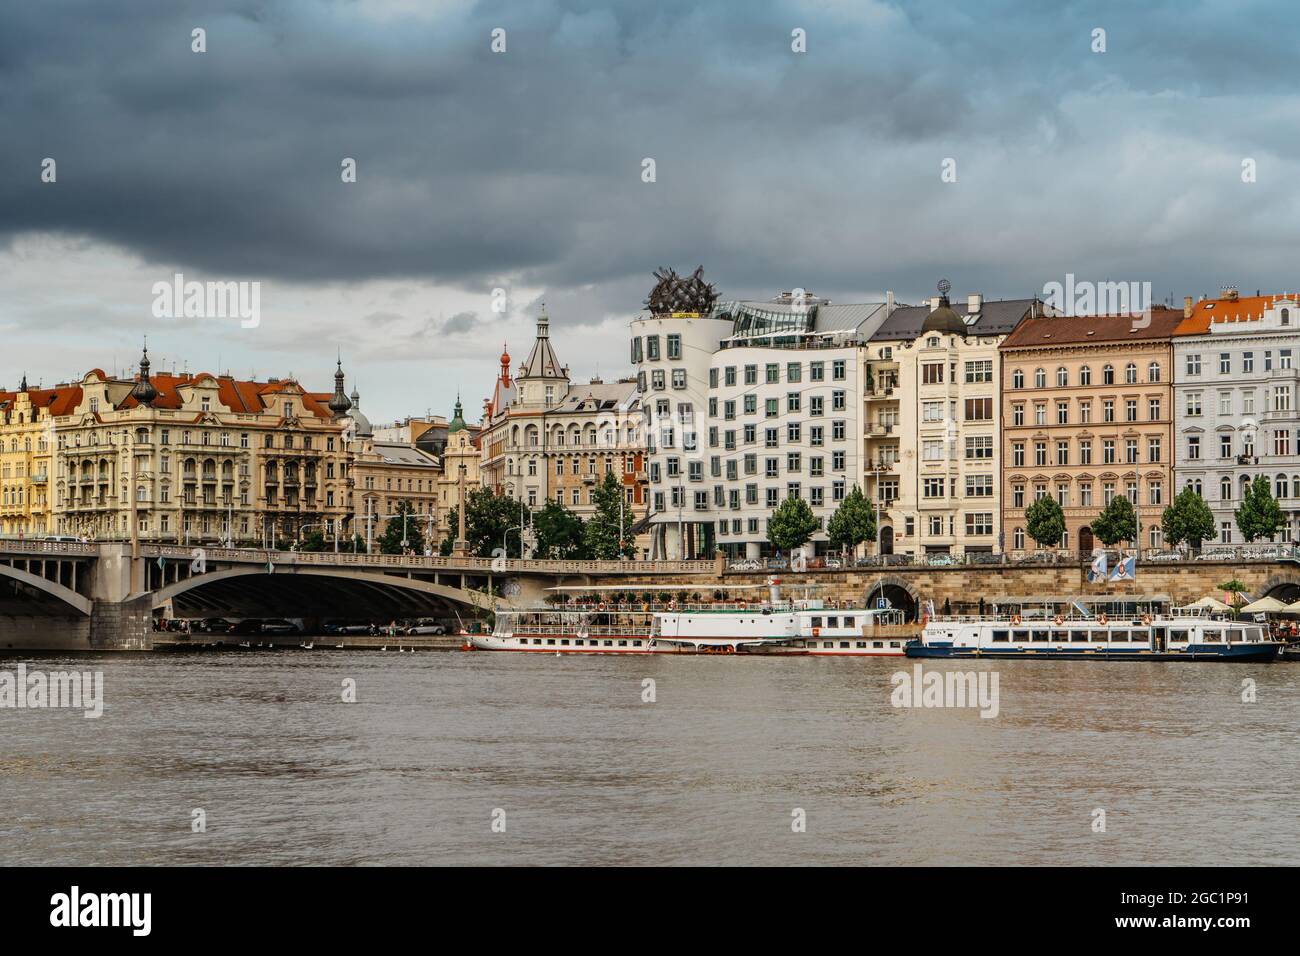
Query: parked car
point(425, 626)
point(1217, 554)
point(1164, 556)
point(278, 625)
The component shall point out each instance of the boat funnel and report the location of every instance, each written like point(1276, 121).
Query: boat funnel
point(774, 589)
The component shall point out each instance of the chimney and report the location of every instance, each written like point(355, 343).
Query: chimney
point(889, 303)
point(974, 302)
point(1187, 306)
point(933, 302)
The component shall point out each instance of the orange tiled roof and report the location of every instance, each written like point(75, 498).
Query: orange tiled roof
point(236, 394)
point(1212, 311)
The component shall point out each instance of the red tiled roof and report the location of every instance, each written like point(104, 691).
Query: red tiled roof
point(1083, 329)
point(236, 394)
point(1243, 309)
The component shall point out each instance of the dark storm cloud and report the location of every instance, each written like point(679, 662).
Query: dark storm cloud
point(774, 169)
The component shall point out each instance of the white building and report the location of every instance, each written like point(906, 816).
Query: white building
point(1235, 403)
point(754, 404)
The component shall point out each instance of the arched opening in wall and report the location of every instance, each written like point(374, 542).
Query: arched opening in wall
point(1287, 593)
point(1085, 540)
point(887, 540)
point(896, 595)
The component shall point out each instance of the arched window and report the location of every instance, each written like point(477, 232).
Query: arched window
point(1108, 374)
point(1130, 374)
point(1279, 486)
point(1085, 376)
point(1018, 378)
point(1153, 372)
point(1062, 377)
point(1225, 488)
point(1040, 378)
point(1286, 316)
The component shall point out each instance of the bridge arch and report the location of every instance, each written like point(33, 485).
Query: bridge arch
point(1284, 587)
point(330, 592)
point(53, 589)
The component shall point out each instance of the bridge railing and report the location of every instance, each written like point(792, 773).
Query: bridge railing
point(38, 546)
point(427, 562)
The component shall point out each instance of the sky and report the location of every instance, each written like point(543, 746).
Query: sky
point(990, 143)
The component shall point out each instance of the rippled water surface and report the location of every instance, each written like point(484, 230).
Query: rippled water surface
point(585, 772)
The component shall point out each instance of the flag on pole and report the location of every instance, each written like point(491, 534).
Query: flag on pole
point(1125, 570)
point(1098, 570)
point(1083, 611)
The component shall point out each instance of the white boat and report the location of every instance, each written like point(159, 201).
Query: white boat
point(805, 627)
point(1146, 637)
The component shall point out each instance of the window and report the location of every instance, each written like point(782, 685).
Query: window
point(837, 370)
point(932, 373)
point(1131, 410)
point(1062, 452)
point(1018, 378)
point(1108, 374)
point(1193, 365)
point(979, 371)
point(1282, 442)
point(679, 378)
point(1085, 412)
point(1040, 414)
point(1018, 414)
point(979, 523)
point(1018, 495)
point(1153, 409)
point(1108, 451)
point(1040, 453)
point(772, 372)
point(1153, 450)
point(1040, 378)
point(1193, 404)
point(979, 447)
point(1085, 375)
point(674, 345)
point(1225, 363)
point(1108, 410)
point(932, 411)
point(933, 488)
point(1193, 447)
point(1153, 372)
point(979, 409)
point(1062, 377)
point(1018, 454)
point(979, 486)
point(932, 450)
point(652, 347)
point(1130, 374)
point(1248, 361)
point(793, 372)
point(816, 371)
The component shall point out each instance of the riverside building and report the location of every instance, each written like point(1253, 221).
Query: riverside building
point(746, 406)
point(1235, 403)
point(1087, 414)
point(933, 419)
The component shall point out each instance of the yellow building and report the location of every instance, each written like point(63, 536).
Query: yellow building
point(25, 443)
point(460, 452)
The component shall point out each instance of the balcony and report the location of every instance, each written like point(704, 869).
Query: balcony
point(880, 429)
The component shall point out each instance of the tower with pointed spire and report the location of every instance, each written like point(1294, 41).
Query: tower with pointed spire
point(144, 391)
point(543, 381)
point(339, 403)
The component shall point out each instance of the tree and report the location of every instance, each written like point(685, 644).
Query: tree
point(559, 532)
point(488, 517)
point(1236, 589)
point(1116, 523)
point(313, 540)
point(601, 533)
point(854, 522)
point(1045, 522)
point(1188, 519)
point(1259, 515)
point(791, 525)
point(405, 525)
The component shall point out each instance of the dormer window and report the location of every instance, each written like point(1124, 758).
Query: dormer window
point(932, 341)
point(207, 404)
point(1286, 316)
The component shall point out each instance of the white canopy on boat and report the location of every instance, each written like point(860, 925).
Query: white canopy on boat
point(1210, 603)
point(1267, 605)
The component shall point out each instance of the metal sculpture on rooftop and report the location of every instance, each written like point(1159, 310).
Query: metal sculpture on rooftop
point(674, 294)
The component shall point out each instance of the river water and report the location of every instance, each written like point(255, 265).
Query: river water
point(582, 770)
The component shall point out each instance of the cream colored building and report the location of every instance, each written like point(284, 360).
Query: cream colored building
point(25, 445)
point(933, 419)
point(198, 459)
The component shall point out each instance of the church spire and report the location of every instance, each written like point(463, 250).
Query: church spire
point(144, 391)
point(338, 403)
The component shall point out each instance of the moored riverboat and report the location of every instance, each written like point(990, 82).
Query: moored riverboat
point(1175, 637)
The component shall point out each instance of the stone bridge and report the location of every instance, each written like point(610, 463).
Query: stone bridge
point(86, 596)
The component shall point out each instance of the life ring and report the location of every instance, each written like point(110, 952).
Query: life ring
point(730, 649)
point(1015, 618)
point(1146, 620)
point(1058, 620)
point(1103, 619)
